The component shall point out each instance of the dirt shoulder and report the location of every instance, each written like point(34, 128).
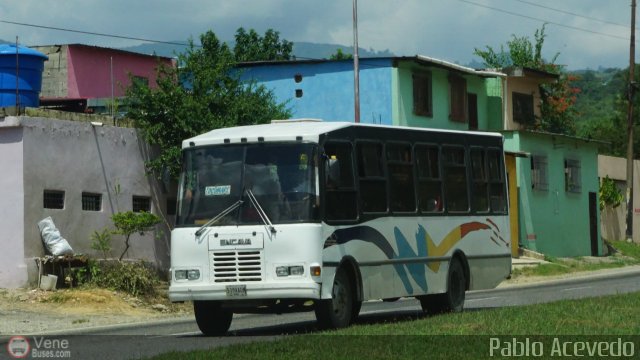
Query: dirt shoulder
point(35, 311)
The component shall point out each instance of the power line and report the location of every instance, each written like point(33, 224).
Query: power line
point(94, 33)
point(542, 20)
point(574, 14)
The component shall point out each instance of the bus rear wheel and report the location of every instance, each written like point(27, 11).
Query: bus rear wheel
point(453, 299)
point(211, 318)
point(337, 312)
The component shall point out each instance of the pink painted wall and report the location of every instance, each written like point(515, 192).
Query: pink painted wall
point(90, 70)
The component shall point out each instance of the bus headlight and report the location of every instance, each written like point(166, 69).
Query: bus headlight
point(296, 270)
point(191, 274)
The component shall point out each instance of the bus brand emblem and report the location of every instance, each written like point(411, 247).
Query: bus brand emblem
point(232, 242)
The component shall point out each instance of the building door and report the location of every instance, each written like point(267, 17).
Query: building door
point(510, 162)
point(593, 223)
point(472, 100)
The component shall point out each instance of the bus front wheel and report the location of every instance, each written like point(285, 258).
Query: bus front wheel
point(453, 299)
point(211, 318)
point(336, 312)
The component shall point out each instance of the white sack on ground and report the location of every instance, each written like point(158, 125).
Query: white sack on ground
point(55, 243)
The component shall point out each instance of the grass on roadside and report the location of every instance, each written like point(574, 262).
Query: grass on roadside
point(629, 254)
point(404, 338)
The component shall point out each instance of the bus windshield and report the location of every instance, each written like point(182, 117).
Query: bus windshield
point(282, 176)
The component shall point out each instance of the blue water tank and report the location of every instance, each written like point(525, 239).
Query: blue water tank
point(29, 64)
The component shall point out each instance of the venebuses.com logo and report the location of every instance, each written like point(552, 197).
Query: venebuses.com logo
point(18, 347)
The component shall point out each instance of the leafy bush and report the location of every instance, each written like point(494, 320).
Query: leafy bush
point(101, 241)
point(135, 278)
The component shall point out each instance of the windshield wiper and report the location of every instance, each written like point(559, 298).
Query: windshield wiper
point(263, 215)
point(216, 218)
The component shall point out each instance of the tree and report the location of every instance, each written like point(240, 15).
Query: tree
point(557, 109)
point(130, 222)
point(339, 55)
point(250, 46)
point(611, 124)
point(203, 92)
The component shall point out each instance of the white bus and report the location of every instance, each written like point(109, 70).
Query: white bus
point(310, 215)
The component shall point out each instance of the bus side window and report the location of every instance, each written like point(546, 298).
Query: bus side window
point(429, 178)
point(340, 202)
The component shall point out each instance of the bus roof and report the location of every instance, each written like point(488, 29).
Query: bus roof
point(290, 130)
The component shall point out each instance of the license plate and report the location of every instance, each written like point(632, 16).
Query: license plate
point(236, 290)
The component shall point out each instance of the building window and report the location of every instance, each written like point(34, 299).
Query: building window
point(171, 206)
point(298, 93)
point(458, 97)
point(539, 173)
point(523, 108)
point(297, 78)
point(572, 181)
point(91, 202)
point(422, 102)
point(140, 80)
point(53, 199)
point(141, 203)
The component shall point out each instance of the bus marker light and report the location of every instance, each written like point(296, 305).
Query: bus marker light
point(315, 271)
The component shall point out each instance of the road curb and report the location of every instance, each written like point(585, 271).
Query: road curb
point(627, 271)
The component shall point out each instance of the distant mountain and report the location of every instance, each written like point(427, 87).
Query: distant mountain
point(301, 50)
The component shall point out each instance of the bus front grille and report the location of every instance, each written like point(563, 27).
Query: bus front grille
point(236, 266)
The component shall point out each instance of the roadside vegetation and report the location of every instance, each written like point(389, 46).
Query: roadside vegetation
point(626, 254)
point(404, 338)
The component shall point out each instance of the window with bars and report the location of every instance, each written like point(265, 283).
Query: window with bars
point(572, 181)
point(141, 203)
point(91, 201)
point(539, 179)
point(53, 199)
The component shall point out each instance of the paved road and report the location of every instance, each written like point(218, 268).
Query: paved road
point(182, 335)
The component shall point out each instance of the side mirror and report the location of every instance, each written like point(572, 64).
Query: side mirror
point(332, 172)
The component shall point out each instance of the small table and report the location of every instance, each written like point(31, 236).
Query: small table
point(57, 264)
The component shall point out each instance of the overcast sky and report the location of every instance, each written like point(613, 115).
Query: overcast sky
point(586, 33)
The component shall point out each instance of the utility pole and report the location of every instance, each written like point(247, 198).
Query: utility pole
point(630, 95)
point(356, 64)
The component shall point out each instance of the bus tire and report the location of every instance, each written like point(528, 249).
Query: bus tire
point(211, 318)
point(453, 299)
point(357, 305)
point(337, 312)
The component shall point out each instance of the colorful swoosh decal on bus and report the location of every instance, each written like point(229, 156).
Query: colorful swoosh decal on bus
point(426, 247)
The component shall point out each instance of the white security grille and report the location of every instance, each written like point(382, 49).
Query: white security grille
point(236, 266)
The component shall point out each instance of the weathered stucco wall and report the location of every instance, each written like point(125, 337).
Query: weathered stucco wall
point(614, 220)
point(13, 271)
point(554, 221)
point(79, 157)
